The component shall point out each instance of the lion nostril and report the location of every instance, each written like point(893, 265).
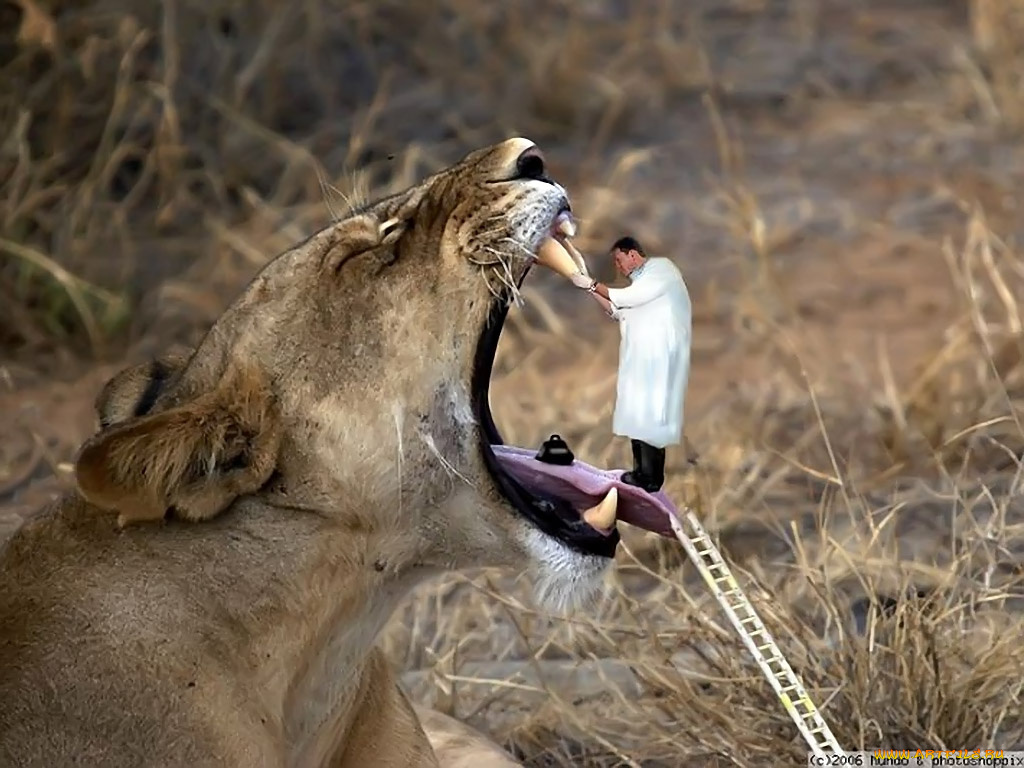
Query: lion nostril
point(530, 165)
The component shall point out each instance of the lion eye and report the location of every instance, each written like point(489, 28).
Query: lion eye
point(530, 165)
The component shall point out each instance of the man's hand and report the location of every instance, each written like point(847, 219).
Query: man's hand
point(583, 281)
point(606, 306)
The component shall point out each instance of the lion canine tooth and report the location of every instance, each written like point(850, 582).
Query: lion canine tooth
point(602, 516)
point(567, 227)
point(553, 255)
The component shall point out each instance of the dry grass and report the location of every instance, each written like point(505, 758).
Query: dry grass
point(838, 182)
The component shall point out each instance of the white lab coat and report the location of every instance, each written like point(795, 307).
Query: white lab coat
point(655, 318)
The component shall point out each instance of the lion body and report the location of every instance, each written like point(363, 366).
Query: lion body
point(249, 517)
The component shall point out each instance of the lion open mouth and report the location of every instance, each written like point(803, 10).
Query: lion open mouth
point(556, 497)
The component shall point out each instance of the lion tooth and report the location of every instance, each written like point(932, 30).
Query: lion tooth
point(567, 227)
point(552, 254)
point(602, 516)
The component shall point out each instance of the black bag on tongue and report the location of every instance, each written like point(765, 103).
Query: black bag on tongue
point(555, 451)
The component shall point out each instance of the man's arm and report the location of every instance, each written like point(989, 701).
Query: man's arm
point(606, 305)
point(632, 295)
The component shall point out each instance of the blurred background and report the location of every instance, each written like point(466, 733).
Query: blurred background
point(838, 182)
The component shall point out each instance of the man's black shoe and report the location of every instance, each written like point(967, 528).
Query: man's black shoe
point(654, 467)
point(648, 467)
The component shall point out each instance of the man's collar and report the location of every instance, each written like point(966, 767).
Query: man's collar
point(638, 271)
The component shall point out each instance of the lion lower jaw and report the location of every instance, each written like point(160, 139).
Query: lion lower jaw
point(566, 579)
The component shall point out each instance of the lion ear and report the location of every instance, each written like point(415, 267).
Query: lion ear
point(400, 215)
point(195, 458)
point(379, 227)
point(133, 391)
point(391, 230)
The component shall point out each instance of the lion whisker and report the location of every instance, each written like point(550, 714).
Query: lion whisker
point(325, 187)
point(511, 283)
point(503, 227)
point(428, 440)
point(496, 294)
point(481, 263)
point(525, 251)
point(502, 259)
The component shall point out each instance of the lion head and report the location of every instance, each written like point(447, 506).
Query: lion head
point(350, 381)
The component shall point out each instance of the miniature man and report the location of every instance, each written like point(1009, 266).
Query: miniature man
point(654, 316)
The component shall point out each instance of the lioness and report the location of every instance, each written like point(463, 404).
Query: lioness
point(249, 516)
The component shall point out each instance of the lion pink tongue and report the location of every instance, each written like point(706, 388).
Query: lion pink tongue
point(583, 486)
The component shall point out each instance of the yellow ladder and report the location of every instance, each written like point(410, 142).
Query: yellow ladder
point(784, 681)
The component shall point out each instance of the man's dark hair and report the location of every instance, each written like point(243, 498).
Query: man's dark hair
point(628, 244)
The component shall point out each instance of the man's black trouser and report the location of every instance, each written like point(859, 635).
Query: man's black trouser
point(648, 467)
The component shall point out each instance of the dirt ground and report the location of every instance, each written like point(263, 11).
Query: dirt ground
point(839, 183)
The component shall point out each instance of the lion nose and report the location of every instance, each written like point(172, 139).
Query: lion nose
point(530, 165)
